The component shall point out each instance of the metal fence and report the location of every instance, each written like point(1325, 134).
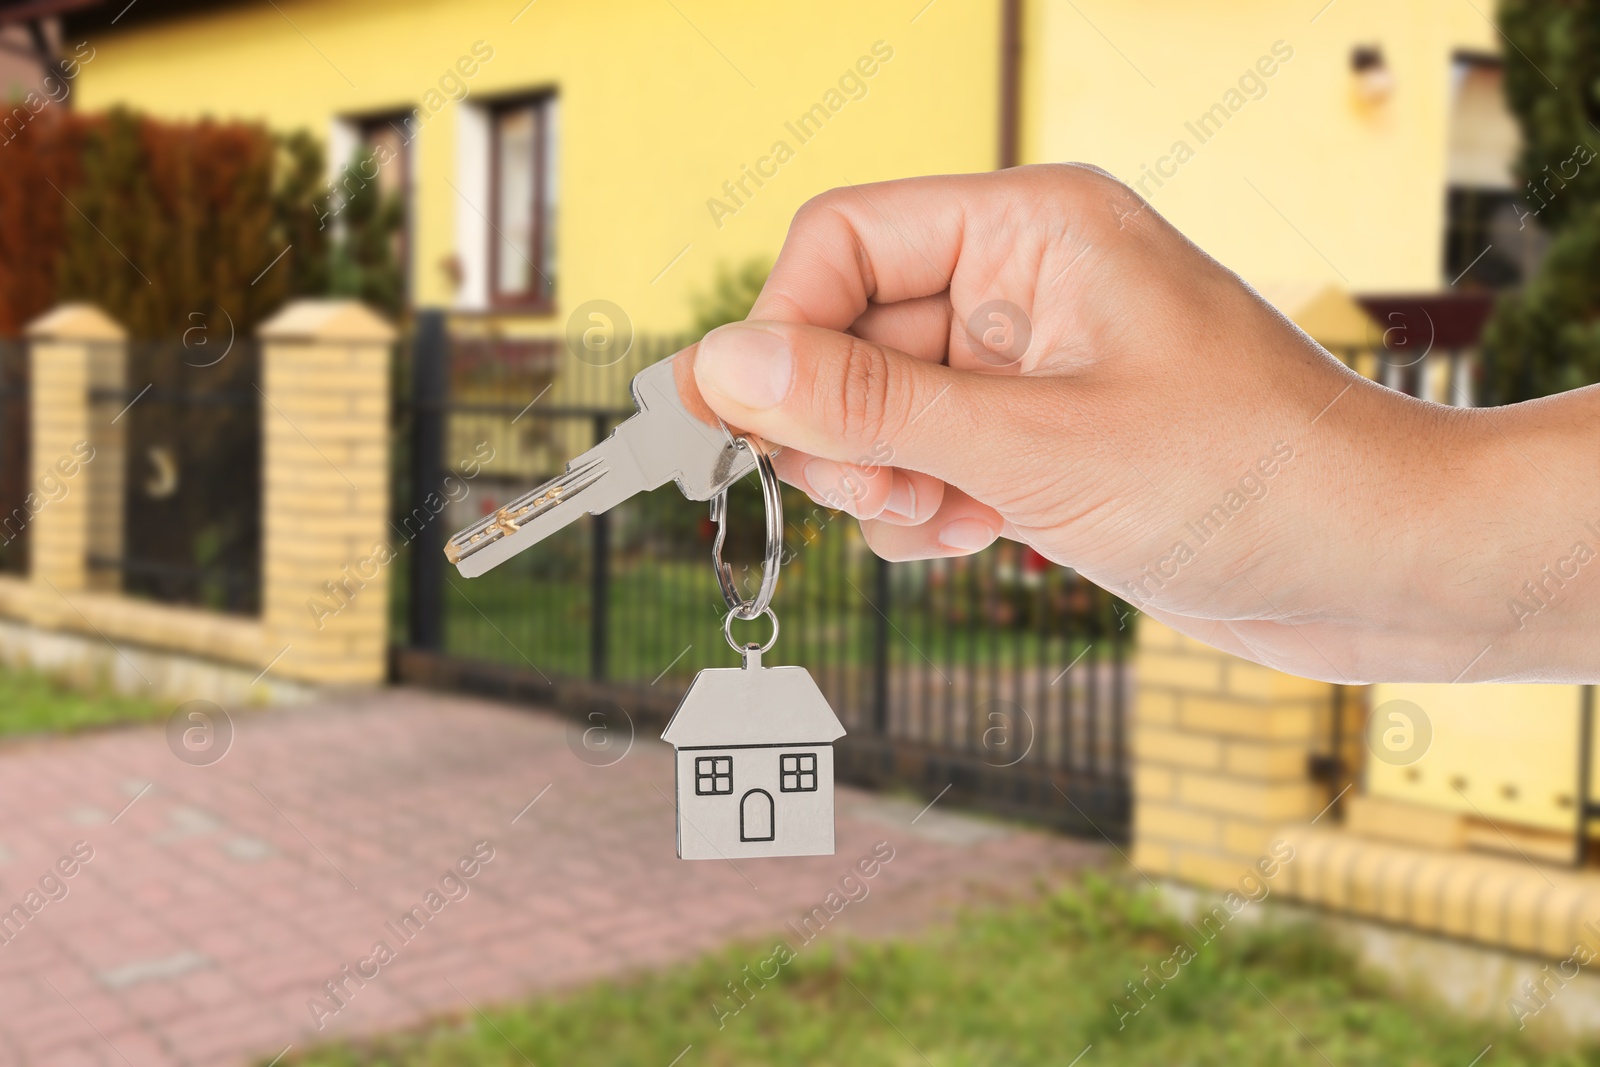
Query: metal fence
point(1000, 676)
point(1451, 375)
point(16, 471)
point(177, 474)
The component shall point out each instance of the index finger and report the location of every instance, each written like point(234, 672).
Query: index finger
point(969, 234)
point(878, 243)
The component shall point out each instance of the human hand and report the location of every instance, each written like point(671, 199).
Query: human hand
point(1153, 424)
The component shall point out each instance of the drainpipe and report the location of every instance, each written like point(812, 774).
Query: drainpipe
point(1010, 80)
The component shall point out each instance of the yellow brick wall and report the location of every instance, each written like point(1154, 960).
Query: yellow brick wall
point(325, 434)
point(1503, 901)
point(1220, 751)
point(62, 352)
point(1220, 757)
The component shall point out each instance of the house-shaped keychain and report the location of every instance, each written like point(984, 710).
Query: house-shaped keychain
point(755, 763)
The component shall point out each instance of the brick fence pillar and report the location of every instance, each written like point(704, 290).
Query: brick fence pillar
point(69, 349)
point(325, 530)
point(1221, 757)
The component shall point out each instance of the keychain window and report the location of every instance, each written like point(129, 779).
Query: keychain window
point(799, 773)
point(713, 775)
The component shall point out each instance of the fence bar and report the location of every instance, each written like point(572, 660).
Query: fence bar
point(880, 647)
point(1587, 808)
point(600, 579)
point(430, 384)
point(16, 472)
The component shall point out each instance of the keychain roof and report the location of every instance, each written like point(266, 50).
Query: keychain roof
point(755, 705)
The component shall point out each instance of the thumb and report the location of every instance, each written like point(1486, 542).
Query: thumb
point(842, 398)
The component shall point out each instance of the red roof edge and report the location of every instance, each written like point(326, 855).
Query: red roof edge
point(28, 10)
point(1450, 320)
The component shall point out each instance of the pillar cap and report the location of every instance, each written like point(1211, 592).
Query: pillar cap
point(327, 320)
point(75, 322)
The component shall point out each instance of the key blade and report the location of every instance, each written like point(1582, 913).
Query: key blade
point(596, 481)
point(662, 443)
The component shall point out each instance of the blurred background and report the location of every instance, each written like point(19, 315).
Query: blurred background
point(291, 291)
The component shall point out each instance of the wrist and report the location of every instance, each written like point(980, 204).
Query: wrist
point(1527, 587)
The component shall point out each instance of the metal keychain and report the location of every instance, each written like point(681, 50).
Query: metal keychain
point(772, 496)
point(754, 743)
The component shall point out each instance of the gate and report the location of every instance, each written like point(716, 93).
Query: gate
point(998, 679)
point(177, 474)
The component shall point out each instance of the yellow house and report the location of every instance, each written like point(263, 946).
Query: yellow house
point(557, 154)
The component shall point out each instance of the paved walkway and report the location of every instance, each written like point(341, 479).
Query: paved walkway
point(220, 899)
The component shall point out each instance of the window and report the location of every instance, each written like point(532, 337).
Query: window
point(522, 198)
point(713, 775)
point(798, 773)
point(388, 138)
point(1492, 236)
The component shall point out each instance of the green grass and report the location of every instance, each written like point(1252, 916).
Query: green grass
point(31, 702)
point(1028, 984)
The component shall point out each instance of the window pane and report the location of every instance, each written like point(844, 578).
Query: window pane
point(1484, 137)
point(386, 138)
point(552, 139)
point(514, 133)
point(388, 147)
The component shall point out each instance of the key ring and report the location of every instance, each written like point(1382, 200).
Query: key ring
point(727, 631)
point(771, 495)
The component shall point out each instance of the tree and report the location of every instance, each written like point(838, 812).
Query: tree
point(41, 165)
point(732, 295)
point(364, 264)
point(173, 220)
point(169, 226)
point(1546, 338)
point(300, 201)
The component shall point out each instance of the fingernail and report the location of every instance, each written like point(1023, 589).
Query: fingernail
point(747, 364)
point(902, 502)
point(967, 535)
point(828, 484)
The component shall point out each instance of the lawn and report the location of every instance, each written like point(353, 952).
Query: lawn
point(32, 702)
point(1032, 984)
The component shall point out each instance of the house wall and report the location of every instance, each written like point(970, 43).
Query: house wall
point(18, 73)
point(708, 826)
point(1114, 83)
point(657, 110)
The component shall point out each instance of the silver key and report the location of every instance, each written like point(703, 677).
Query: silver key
point(662, 443)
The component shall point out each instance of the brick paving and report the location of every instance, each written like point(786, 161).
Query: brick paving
point(220, 899)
